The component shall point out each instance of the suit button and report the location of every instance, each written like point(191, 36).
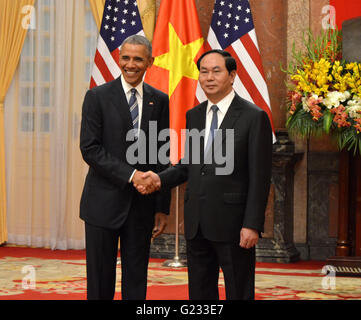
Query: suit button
point(203, 173)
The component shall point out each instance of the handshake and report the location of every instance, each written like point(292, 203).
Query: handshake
point(146, 182)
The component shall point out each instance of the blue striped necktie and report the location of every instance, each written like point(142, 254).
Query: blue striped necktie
point(214, 126)
point(133, 106)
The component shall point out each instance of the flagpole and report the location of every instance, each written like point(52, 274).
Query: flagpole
point(176, 262)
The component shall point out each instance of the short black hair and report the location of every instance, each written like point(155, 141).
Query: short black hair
point(140, 40)
point(230, 62)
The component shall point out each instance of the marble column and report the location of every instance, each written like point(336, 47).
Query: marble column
point(280, 247)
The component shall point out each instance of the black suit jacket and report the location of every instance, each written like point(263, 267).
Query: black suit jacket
point(107, 195)
point(223, 204)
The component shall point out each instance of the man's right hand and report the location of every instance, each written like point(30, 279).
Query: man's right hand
point(146, 182)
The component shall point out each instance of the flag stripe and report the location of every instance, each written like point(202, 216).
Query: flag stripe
point(112, 66)
point(212, 40)
point(200, 95)
point(102, 67)
point(249, 84)
point(253, 36)
point(97, 76)
point(249, 66)
point(92, 83)
point(241, 89)
point(252, 50)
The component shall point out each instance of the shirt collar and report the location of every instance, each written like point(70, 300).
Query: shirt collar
point(224, 104)
point(127, 87)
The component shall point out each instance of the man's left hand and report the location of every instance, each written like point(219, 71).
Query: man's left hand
point(159, 224)
point(249, 238)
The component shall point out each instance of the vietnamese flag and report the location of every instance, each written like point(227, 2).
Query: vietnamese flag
point(177, 44)
point(346, 10)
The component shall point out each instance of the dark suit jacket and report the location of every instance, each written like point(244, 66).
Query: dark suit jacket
point(107, 194)
point(223, 204)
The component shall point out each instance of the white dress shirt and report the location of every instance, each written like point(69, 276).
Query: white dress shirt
point(223, 106)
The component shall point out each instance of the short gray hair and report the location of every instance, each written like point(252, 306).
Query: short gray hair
point(138, 39)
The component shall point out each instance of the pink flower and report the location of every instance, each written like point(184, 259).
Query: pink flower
point(295, 99)
point(340, 116)
point(313, 104)
point(315, 112)
point(358, 125)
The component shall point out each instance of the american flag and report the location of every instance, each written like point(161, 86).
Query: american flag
point(121, 19)
point(232, 29)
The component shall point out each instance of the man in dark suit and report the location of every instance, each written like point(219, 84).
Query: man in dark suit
point(114, 116)
point(223, 212)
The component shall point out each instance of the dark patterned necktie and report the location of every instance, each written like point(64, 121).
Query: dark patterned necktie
point(133, 106)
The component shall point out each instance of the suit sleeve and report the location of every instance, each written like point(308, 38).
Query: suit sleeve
point(92, 149)
point(163, 197)
point(177, 174)
point(260, 167)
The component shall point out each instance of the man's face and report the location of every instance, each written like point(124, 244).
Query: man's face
point(214, 77)
point(134, 61)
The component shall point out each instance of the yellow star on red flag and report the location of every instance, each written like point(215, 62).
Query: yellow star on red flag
point(179, 60)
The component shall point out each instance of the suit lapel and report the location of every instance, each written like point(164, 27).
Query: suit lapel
point(148, 104)
point(200, 120)
point(120, 102)
point(233, 113)
point(200, 124)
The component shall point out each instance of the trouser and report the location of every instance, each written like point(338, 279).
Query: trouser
point(204, 260)
point(101, 258)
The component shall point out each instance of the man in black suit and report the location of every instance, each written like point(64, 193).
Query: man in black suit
point(223, 211)
point(114, 116)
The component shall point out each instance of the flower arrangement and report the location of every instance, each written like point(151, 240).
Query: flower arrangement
point(324, 92)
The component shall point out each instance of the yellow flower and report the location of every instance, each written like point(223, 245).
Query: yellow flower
point(350, 66)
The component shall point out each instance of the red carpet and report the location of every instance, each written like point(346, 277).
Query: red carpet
point(60, 275)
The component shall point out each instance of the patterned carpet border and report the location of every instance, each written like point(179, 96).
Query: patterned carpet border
point(44, 274)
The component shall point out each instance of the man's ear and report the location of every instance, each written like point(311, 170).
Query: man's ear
point(233, 74)
point(151, 60)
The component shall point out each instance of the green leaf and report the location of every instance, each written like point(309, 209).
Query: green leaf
point(300, 124)
point(327, 121)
